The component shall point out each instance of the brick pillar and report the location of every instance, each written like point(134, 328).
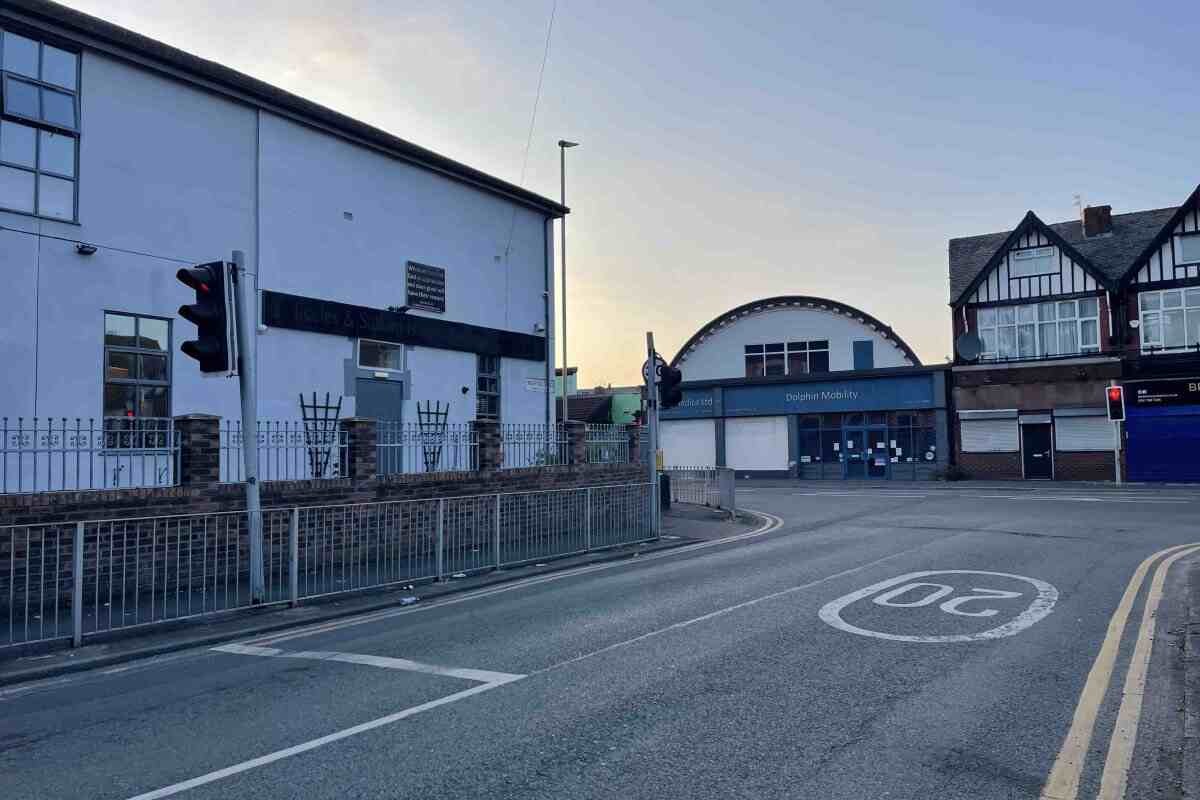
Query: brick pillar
point(488, 453)
point(362, 454)
point(577, 441)
point(199, 449)
point(634, 432)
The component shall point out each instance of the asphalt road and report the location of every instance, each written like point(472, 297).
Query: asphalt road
point(794, 663)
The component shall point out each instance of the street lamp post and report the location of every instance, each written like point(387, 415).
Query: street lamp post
point(563, 144)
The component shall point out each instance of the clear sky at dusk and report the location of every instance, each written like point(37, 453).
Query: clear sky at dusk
point(749, 149)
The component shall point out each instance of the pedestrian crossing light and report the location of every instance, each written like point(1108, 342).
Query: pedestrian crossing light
point(1116, 403)
point(215, 346)
point(669, 378)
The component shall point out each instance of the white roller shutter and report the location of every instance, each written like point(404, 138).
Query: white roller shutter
point(688, 443)
point(989, 436)
point(1081, 434)
point(757, 443)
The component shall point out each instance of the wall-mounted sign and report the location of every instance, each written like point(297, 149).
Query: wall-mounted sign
point(425, 287)
point(863, 394)
point(1144, 394)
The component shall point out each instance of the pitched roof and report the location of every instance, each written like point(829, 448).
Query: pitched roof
point(1111, 256)
point(114, 39)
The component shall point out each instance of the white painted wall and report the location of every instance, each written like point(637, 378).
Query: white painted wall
point(171, 174)
point(1162, 264)
point(688, 443)
point(756, 443)
point(722, 354)
point(1069, 278)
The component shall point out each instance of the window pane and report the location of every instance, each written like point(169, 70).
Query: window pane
point(119, 400)
point(755, 366)
point(118, 330)
point(154, 368)
point(798, 363)
point(777, 347)
point(819, 361)
point(1173, 329)
point(820, 344)
point(57, 153)
point(58, 67)
point(380, 355)
point(152, 334)
point(1193, 326)
point(754, 348)
point(989, 341)
point(1049, 334)
point(18, 144)
point(1008, 342)
point(987, 317)
point(56, 197)
point(58, 108)
point(20, 98)
point(121, 366)
point(1006, 315)
point(1189, 249)
point(1026, 314)
point(1173, 299)
point(20, 55)
point(774, 363)
point(1089, 307)
point(153, 402)
point(1046, 312)
point(1027, 340)
point(1151, 328)
point(16, 189)
point(1067, 338)
point(1150, 300)
point(1066, 309)
point(1192, 298)
point(797, 346)
point(1089, 333)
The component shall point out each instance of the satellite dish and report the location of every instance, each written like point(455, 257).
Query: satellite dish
point(968, 346)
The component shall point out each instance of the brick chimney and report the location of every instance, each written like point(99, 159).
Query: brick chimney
point(1097, 221)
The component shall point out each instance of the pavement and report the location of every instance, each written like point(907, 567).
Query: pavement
point(912, 641)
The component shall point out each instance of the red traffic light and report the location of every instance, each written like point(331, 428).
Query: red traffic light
point(1116, 403)
point(1114, 393)
point(196, 278)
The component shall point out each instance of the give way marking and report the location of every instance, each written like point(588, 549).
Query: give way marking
point(485, 679)
point(978, 602)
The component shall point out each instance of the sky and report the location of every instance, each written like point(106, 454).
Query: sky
point(734, 151)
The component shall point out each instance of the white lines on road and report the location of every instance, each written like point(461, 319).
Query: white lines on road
point(1040, 496)
point(385, 662)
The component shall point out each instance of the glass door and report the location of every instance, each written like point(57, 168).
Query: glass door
point(855, 449)
point(878, 453)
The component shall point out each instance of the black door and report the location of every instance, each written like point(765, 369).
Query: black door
point(1036, 446)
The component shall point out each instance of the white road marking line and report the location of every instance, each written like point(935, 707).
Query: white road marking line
point(385, 662)
point(729, 609)
point(1063, 781)
point(1115, 779)
point(1038, 608)
point(770, 523)
point(312, 744)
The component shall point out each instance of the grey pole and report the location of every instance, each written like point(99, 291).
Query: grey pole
point(652, 421)
point(247, 380)
point(563, 144)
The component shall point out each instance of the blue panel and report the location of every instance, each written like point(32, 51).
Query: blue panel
point(696, 403)
point(1163, 443)
point(864, 355)
point(863, 394)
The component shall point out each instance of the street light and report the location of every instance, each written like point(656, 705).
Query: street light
point(563, 144)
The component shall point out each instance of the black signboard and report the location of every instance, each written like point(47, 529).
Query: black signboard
point(341, 319)
point(426, 287)
point(1184, 392)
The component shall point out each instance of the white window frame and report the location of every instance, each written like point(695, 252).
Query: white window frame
point(1025, 315)
point(759, 351)
point(1031, 258)
point(403, 356)
point(1194, 238)
point(1151, 327)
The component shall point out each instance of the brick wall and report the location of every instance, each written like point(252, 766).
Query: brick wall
point(991, 466)
point(1092, 466)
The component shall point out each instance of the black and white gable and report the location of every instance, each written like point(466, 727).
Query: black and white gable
point(1174, 254)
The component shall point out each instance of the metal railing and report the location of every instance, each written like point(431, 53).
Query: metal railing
point(533, 445)
point(697, 485)
point(73, 580)
point(44, 454)
point(404, 448)
point(288, 450)
point(606, 444)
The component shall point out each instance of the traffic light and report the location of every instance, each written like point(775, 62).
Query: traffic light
point(669, 393)
point(1116, 402)
point(215, 346)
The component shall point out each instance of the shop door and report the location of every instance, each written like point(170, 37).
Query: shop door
point(877, 453)
point(383, 401)
point(855, 448)
point(1036, 448)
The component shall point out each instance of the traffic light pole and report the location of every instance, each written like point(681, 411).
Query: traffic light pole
point(652, 421)
point(248, 380)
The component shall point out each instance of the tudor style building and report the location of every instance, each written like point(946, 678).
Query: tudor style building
point(1049, 316)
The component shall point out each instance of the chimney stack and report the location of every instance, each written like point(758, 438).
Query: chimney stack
point(1097, 221)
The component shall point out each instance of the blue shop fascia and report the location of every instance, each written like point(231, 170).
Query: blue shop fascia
point(884, 424)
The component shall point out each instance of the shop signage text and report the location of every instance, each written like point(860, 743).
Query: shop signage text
point(426, 287)
point(1185, 392)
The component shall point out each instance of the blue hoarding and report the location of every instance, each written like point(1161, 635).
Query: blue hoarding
point(696, 403)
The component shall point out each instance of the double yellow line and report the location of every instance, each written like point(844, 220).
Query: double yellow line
point(1063, 782)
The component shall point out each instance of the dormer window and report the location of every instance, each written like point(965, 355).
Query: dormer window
point(1187, 249)
point(1032, 261)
